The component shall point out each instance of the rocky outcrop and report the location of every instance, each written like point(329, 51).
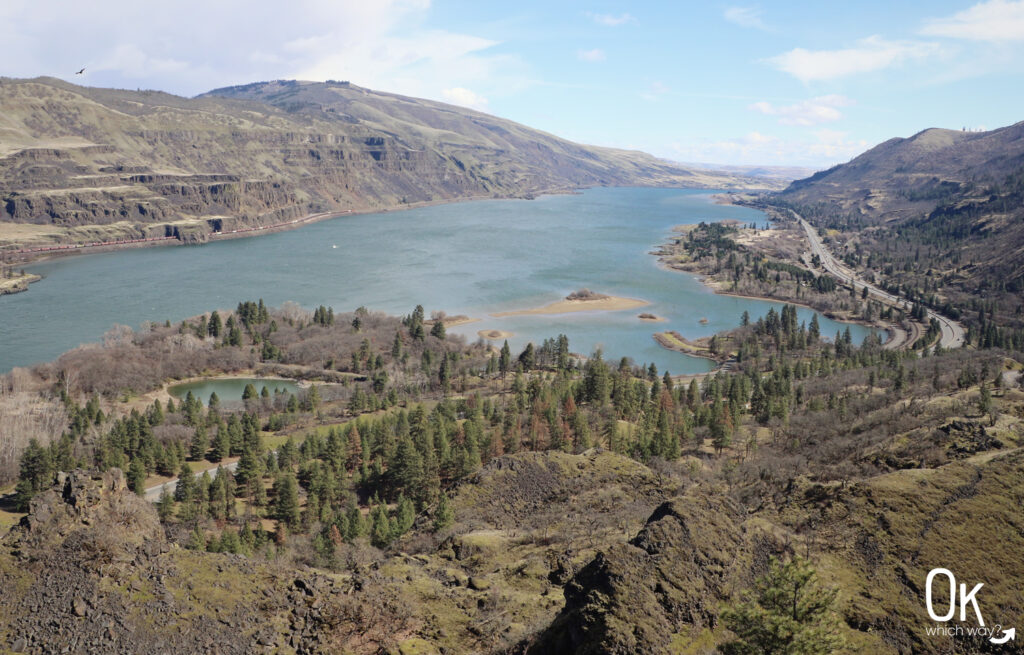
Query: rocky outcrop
point(89, 570)
point(671, 578)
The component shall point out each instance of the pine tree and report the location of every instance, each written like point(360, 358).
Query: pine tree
point(200, 443)
point(196, 540)
point(406, 471)
point(405, 516)
point(505, 360)
point(445, 515)
point(221, 444)
point(380, 533)
point(165, 506)
point(789, 613)
point(35, 473)
point(213, 328)
point(137, 476)
point(186, 487)
point(286, 500)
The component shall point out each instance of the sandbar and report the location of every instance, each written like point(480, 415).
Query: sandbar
point(604, 303)
point(452, 321)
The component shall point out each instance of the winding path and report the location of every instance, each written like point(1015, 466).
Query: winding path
point(952, 333)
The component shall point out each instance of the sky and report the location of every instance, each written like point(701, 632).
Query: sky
point(771, 83)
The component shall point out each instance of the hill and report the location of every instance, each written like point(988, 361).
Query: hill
point(938, 215)
point(82, 164)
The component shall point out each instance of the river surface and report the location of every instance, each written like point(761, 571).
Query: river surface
point(472, 258)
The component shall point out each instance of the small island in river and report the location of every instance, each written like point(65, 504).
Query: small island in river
point(583, 300)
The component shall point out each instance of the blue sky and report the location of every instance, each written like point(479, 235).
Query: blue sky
point(733, 83)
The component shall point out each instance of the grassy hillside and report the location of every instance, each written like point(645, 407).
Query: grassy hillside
point(80, 164)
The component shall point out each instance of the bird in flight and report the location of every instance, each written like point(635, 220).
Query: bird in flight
point(80, 72)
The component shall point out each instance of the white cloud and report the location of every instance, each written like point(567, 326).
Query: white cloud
point(870, 54)
point(745, 17)
point(826, 148)
point(610, 20)
point(125, 43)
point(590, 55)
point(460, 96)
point(655, 91)
point(822, 109)
point(996, 20)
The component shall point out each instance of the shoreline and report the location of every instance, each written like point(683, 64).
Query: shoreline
point(59, 250)
point(890, 329)
point(672, 340)
point(18, 284)
point(893, 331)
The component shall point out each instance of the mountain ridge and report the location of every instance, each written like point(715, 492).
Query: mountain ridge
point(81, 164)
point(938, 215)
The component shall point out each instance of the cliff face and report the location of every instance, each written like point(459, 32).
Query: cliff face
point(150, 164)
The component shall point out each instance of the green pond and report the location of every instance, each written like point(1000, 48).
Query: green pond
point(229, 389)
point(473, 258)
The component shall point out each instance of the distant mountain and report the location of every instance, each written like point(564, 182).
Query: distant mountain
point(146, 163)
point(939, 214)
point(776, 173)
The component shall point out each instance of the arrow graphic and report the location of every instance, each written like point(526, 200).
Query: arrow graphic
point(1008, 635)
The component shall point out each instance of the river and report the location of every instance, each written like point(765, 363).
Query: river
point(472, 258)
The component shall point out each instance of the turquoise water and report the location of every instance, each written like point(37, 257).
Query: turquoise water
point(229, 389)
point(470, 258)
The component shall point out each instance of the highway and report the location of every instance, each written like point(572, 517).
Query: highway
point(952, 333)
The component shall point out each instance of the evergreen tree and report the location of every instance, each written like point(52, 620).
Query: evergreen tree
point(405, 516)
point(186, 487)
point(196, 540)
point(380, 532)
point(214, 326)
point(221, 444)
point(445, 515)
point(286, 500)
point(35, 473)
point(406, 470)
point(789, 613)
point(165, 506)
point(200, 443)
point(137, 476)
point(527, 358)
point(505, 360)
point(984, 399)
